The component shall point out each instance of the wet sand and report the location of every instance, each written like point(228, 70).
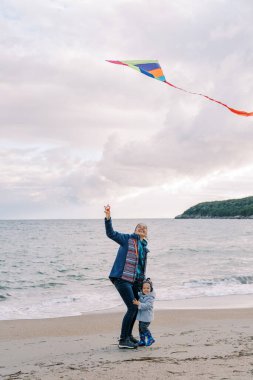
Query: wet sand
point(190, 344)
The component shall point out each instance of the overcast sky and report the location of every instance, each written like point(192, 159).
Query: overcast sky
point(78, 132)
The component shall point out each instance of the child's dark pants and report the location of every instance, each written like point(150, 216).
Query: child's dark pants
point(143, 327)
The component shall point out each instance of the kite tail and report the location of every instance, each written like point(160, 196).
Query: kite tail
point(237, 112)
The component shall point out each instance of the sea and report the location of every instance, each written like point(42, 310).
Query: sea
point(57, 268)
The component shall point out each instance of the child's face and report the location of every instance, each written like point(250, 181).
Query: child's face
point(146, 288)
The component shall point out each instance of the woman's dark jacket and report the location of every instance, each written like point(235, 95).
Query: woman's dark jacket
point(122, 240)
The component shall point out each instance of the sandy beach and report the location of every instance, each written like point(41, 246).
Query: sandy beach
point(190, 344)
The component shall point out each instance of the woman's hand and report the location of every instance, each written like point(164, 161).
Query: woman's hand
point(107, 212)
point(135, 302)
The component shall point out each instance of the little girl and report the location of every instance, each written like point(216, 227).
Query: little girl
point(145, 312)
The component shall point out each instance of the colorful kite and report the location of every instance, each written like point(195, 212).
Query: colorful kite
point(153, 70)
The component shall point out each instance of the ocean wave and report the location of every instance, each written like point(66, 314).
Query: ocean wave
point(229, 280)
point(47, 285)
point(62, 270)
point(79, 277)
point(4, 298)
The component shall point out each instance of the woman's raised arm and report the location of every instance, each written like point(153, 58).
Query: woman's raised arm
point(118, 237)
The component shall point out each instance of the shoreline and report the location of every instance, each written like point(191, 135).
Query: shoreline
point(196, 303)
point(101, 322)
point(190, 344)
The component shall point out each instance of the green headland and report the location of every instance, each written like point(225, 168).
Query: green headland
point(230, 209)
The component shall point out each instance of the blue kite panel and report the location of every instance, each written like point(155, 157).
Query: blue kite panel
point(148, 66)
point(146, 73)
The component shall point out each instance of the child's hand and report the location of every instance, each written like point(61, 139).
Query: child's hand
point(135, 302)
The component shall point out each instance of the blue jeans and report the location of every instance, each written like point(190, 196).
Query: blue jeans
point(127, 292)
point(143, 327)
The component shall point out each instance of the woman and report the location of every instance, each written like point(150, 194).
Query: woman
point(128, 273)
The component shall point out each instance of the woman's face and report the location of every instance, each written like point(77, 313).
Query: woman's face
point(141, 230)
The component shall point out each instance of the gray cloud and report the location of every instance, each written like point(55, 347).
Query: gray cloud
point(183, 148)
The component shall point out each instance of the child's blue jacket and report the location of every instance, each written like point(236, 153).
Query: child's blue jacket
point(145, 309)
point(122, 240)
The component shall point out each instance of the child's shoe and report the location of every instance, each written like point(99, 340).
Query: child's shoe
point(142, 340)
point(150, 340)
